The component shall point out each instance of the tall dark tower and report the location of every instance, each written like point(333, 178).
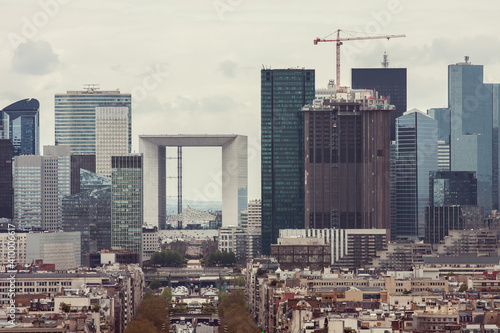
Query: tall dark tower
point(6, 193)
point(390, 82)
point(347, 162)
point(283, 93)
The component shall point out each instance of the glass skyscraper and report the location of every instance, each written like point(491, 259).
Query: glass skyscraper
point(416, 155)
point(6, 193)
point(474, 144)
point(126, 203)
point(75, 117)
point(283, 93)
point(19, 122)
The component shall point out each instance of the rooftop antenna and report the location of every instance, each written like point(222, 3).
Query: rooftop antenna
point(385, 61)
point(466, 59)
point(91, 87)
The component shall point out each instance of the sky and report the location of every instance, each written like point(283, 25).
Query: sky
point(193, 67)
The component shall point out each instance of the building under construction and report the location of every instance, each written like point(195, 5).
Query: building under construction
point(347, 159)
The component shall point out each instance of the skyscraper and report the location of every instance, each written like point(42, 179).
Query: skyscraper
point(347, 161)
point(75, 117)
point(19, 122)
point(6, 193)
point(126, 203)
point(475, 110)
point(416, 156)
point(390, 82)
point(40, 184)
point(112, 134)
point(283, 93)
point(78, 163)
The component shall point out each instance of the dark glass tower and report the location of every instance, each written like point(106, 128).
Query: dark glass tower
point(390, 82)
point(6, 193)
point(19, 122)
point(283, 93)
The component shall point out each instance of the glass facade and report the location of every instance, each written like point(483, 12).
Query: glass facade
point(75, 117)
point(453, 188)
point(416, 156)
point(474, 140)
point(19, 122)
point(126, 203)
point(283, 93)
point(6, 192)
point(390, 82)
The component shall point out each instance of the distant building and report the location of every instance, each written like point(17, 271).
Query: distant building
point(477, 241)
point(292, 253)
point(60, 248)
point(254, 228)
point(75, 117)
point(416, 156)
point(112, 133)
point(20, 244)
point(191, 218)
point(442, 116)
point(40, 184)
point(347, 161)
point(233, 239)
point(350, 248)
point(78, 163)
point(390, 82)
point(283, 93)
point(126, 203)
point(440, 220)
point(150, 242)
point(20, 123)
point(6, 191)
point(402, 256)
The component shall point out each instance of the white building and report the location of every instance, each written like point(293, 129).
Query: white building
point(60, 248)
point(150, 242)
point(233, 239)
point(111, 131)
point(13, 249)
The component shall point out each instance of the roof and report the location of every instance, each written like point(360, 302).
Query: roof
point(28, 104)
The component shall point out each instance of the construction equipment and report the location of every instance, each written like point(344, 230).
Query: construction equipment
point(339, 41)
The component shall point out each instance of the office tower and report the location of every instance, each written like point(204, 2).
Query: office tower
point(6, 192)
point(112, 130)
point(442, 116)
point(416, 156)
point(254, 228)
point(75, 117)
point(126, 203)
point(347, 161)
point(283, 93)
point(89, 212)
point(452, 205)
point(40, 184)
point(474, 143)
point(19, 122)
point(390, 82)
point(59, 248)
point(79, 163)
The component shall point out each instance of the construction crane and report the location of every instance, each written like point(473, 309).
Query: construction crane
point(339, 41)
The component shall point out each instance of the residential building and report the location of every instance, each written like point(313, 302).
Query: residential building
point(401, 256)
point(283, 93)
point(6, 191)
point(416, 156)
point(347, 161)
point(112, 133)
point(440, 220)
point(126, 203)
point(150, 242)
point(294, 252)
point(254, 228)
point(233, 239)
point(10, 256)
point(390, 82)
point(75, 117)
point(20, 123)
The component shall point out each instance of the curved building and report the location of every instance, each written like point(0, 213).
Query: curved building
point(19, 122)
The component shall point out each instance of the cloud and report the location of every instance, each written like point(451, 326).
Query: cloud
point(35, 58)
point(228, 68)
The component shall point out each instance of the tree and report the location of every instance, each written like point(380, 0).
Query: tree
point(239, 281)
point(155, 285)
point(463, 287)
point(141, 326)
point(221, 258)
point(234, 312)
point(167, 294)
point(65, 307)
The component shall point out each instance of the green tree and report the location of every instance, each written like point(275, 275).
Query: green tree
point(463, 287)
point(65, 307)
point(141, 326)
point(234, 312)
point(167, 294)
point(154, 285)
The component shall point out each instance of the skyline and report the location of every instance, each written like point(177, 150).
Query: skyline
point(182, 62)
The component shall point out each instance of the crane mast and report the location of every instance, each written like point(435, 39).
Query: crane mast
point(338, 41)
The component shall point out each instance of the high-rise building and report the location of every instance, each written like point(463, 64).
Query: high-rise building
point(347, 161)
point(79, 163)
point(126, 203)
point(40, 184)
point(75, 117)
point(474, 144)
point(416, 156)
point(254, 228)
point(449, 188)
point(59, 248)
point(390, 82)
point(283, 93)
point(442, 116)
point(6, 192)
point(112, 132)
point(19, 122)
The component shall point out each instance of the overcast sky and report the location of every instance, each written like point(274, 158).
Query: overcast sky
point(193, 67)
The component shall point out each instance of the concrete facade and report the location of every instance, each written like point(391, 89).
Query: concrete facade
point(234, 173)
